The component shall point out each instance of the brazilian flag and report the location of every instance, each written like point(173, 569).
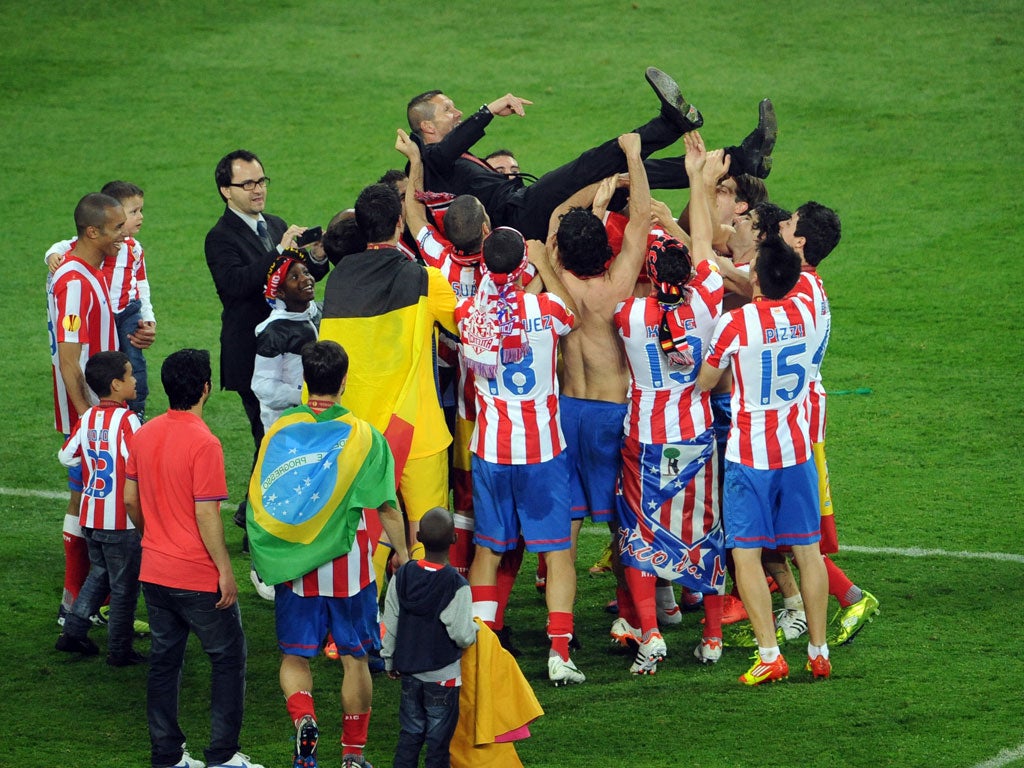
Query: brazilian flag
point(315, 475)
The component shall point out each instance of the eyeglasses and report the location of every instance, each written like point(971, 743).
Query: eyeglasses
point(249, 184)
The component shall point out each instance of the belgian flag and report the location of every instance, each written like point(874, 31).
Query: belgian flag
point(382, 308)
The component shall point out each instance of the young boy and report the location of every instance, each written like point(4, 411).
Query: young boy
point(100, 444)
point(428, 621)
point(128, 286)
point(294, 321)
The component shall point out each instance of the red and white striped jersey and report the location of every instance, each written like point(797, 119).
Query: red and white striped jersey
point(771, 346)
point(665, 405)
point(517, 412)
point(125, 274)
point(810, 286)
point(101, 443)
point(78, 312)
point(438, 252)
point(343, 576)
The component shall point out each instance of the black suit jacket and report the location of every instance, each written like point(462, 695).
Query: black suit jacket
point(239, 263)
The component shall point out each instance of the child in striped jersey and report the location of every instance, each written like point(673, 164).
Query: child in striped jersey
point(100, 444)
point(128, 286)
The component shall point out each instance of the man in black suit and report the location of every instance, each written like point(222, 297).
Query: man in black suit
point(239, 250)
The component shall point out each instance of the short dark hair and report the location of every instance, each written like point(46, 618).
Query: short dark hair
point(672, 263)
point(821, 230)
point(378, 209)
point(324, 366)
point(464, 223)
point(583, 243)
point(392, 177)
point(185, 374)
point(102, 368)
point(436, 530)
point(420, 108)
point(768, 217)
point(222, 174)
point(343, 237)
point(122, 190)
point(500, 153)
point(503, 250)
point(91, 211)
point(750, 189)
point(777, 267)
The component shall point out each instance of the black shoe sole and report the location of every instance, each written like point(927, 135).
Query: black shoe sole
point(672, 101)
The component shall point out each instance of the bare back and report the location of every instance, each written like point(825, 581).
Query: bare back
point(593, 359)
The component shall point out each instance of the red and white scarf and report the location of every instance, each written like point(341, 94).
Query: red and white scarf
point(671, 297)
point(495, 323)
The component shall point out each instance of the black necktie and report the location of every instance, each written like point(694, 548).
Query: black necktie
point(261, 230)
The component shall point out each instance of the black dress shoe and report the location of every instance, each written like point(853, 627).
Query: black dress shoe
point(754, 154)
point(129, 659)
point(82, 645)
point(673, 106)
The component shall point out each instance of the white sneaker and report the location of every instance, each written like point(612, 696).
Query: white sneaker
point(623, 633)
point(789, 625)
point(563, 671)
point(649, 654)
point(708, 650)
point(262, 588)
point(187, 761)
point(238, 761)
point(673, 615)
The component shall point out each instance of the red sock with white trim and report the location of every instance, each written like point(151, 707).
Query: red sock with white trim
point(460, 554)
point(76, 565)
point(560, 626)
point(353, 732)
point(713, 615)
point(485, 603)
point(641, 589)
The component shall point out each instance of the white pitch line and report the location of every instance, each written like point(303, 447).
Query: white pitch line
point(601, 531)
point(919, 552)
point(1008, 557)
point(1005, 757)
point(34, 494)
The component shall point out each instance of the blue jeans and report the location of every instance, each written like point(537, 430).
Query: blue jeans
point(428, 712)
point(114, 557)
point(127, 320)
point(172, 613)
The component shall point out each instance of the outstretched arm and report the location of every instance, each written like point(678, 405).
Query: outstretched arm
point(626, 267)
point(415, 213)
point(700, 211)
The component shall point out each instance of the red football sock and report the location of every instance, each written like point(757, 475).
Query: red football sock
point(299, 705)
point(542, 566)
point(76, 568)
point(641, 589)
point(508, 569)
point(460, 554)
point(353, 732)
point(560, 631)
point(485, 603)
point(713, 615)
point(627, 611)
point(839, 584)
